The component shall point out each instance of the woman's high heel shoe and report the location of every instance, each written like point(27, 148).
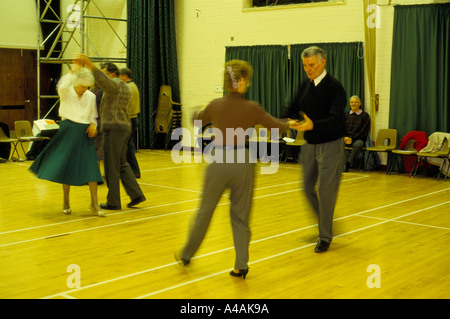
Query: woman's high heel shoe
point(97, 212)
point(242, 273)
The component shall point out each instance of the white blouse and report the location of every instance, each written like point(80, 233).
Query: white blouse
point(71, 107)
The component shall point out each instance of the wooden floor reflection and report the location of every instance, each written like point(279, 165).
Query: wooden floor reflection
point(391, 240)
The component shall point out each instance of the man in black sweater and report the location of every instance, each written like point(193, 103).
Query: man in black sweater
point(320, 103)
point(357, 123)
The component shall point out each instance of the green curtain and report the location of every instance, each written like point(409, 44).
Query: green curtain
point(269, 81)
point(152, 56)
point(345, 61)
point(277, 76)
point(420, 69)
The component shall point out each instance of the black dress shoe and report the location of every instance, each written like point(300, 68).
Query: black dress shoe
point(242, 273)
point(181, 261)
point(322, 246)
point(347, 167)
point(136, 201)
point(110, 207)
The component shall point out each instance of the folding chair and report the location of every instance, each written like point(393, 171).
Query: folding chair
point(24, 134)
point(263, 136)
point(386, 141)
point(360, 157)
point(167, 114)
point(408, 150)
point(296, 144)
point(442, 153)
point(12, 141)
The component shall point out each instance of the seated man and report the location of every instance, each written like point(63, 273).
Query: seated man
point(357, 126)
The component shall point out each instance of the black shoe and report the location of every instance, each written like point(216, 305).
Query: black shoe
point(242, 273)
point(181, 261)
point(347, 167)
point(110, 207)
point(322, 246)
point(136, 201)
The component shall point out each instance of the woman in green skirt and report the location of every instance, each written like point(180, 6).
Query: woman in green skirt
point(70, 158)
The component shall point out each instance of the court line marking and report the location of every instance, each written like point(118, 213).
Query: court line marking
point(122, 212)
point(200, 192)
point(188, 210)
point(96, 217)
point(409, 223)
point(171, 167)
point(282, 253)
point(252, 242)
point(151, 207)
point(129, 221)
point(171, 187)
point(130, 211)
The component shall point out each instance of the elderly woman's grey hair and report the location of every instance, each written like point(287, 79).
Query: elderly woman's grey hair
point(83, 77)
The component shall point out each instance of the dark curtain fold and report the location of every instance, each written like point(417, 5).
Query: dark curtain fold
point(152, 56)
point(269, 81)
point(420, 69)
point(345, 61)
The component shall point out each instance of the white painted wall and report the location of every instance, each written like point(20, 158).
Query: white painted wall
point(18, 24)
point(205, 27)
point(103, 39)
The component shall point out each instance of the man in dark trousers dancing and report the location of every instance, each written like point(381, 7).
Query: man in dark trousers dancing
point(320, 104)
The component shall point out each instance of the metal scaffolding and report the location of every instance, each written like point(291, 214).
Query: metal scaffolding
point(68, 28)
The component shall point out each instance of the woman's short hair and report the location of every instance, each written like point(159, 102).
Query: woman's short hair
point(83, 77)
point(234, 71)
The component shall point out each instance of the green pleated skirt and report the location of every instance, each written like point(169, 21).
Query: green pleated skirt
point(69, 158)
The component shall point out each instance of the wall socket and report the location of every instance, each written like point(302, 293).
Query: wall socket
point(219, 89)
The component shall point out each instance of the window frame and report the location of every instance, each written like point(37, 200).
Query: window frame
point(247, 5)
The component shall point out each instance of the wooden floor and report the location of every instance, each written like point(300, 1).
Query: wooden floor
point(392, 235)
